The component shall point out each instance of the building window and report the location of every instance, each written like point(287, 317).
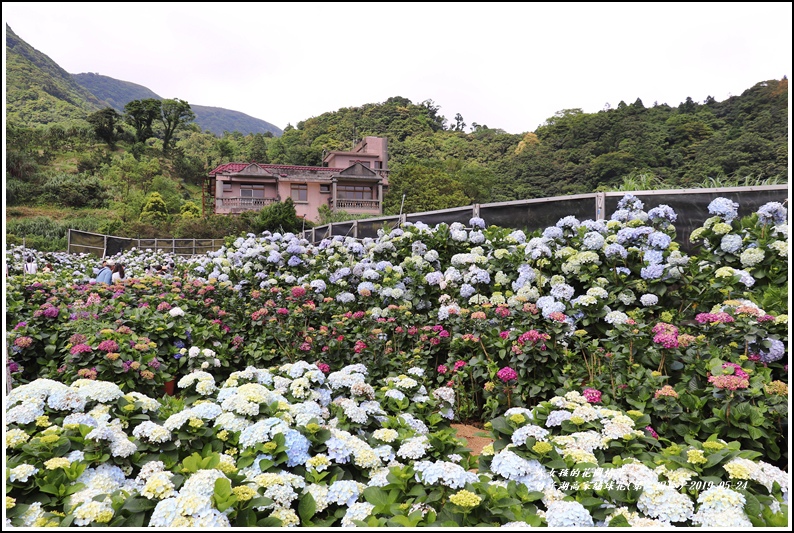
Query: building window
point(378, 165)
point(299, 192)
point(227, 186)
point(252, 191)
point(365, 163)
point(354, 192)
point(325, 188)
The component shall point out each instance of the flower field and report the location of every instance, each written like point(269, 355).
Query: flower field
point(625, 382)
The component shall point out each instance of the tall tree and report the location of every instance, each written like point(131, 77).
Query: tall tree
point(141, 114)
point(174, 114)
point(459, 124)
point(258, 149)
point(105, 122)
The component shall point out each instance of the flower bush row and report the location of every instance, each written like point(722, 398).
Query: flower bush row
point(292, 445)
point(505, 319)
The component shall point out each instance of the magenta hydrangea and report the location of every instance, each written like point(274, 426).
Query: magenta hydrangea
point(507, 374)
point(592, 395)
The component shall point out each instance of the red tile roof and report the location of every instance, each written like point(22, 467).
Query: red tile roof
point(237, 167)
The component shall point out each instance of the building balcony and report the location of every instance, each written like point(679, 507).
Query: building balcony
point(229, 205)
point(355, 206)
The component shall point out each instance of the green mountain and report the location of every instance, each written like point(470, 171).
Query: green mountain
point(118, 93)
point(38, 91)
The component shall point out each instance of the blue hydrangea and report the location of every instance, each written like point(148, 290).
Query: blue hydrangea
point(477, 222)
point(365, 285)
point(652, 271)
point(434, 278)
point(481, 276)
point(294, 261)
point(343, 492)
point(775, 352)
point(727, 209)
point(593, 241)
point(662, 213)
point(418, 248)
point(476, 237)
point(659, 240)
point(569, 222)
point(595, 225)
point(772, 213)
point(630, 203)
point(552, 232)
point(318, 285)
point(653, 257)
point(615, 249)
point(562, 291)
point(467, 290)
point(731, 243)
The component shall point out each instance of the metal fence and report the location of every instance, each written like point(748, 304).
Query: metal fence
point(691, 206)
point(107, 245)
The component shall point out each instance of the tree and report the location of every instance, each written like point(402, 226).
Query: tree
point(425, 189)
point(174, 114)
point(459, 124)
point(189, 210)
point(105, 123)
point(141, 114)
point(154, 210)
point(258, 149)
point(280, 216)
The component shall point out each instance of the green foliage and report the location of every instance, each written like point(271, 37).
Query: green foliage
point(326, 216)
point(154, 210)
point(280, 216)
point(169, 191)
point(189, 210)
point(105, 124)
point(141, 114)
point(425, 189)
point(80, 190)
point(174, 114)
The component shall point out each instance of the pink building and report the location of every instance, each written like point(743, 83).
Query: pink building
point(353, 181)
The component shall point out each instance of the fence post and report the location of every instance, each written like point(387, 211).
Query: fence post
point(69, 241)
point(600, 201)
point(105, 249)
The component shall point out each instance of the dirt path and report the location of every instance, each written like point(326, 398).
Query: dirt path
point(473, 437)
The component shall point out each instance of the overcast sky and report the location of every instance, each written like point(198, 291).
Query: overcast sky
point(504, 65)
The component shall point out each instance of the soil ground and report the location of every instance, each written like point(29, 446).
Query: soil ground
point(475, 437)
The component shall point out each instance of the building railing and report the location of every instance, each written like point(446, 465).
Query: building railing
point(252, 203)
point(343, 203)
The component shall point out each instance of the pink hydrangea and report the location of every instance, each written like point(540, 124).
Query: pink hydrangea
point(442, 369)
point(507, 374)
point(108, 345)
point(592, 395)
point(23, 342)
point(80, 348)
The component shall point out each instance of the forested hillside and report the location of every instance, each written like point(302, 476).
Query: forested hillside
point(216, 120)
point(72, 161)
